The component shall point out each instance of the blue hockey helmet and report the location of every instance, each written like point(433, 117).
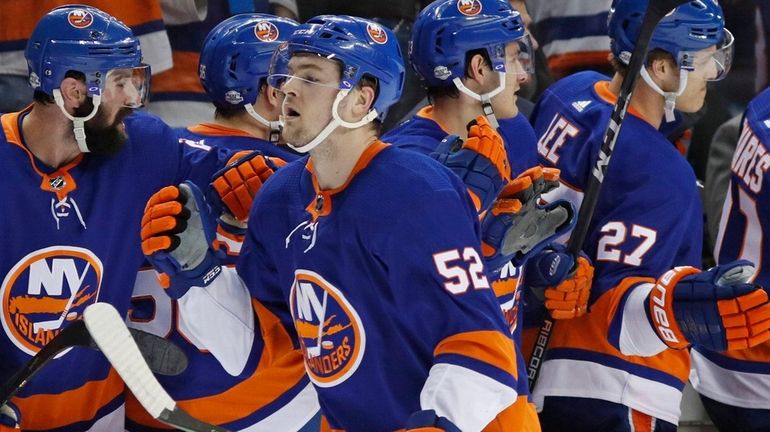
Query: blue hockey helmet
point(236, 54)
point(83, 39)
point(361, 46)
point(691, 27)
point(446, 30)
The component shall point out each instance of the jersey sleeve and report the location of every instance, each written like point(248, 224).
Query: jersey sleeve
point(435, 264)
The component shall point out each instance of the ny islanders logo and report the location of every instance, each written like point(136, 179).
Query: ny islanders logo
point(266, 31)
point(80, 18)
point(377, 33)
point(330, 332)
point(44, 291)
point(469, 7)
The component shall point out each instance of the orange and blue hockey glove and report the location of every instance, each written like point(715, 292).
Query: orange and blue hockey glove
point(237, 184)
point(518, 226)
point(717, 309)
point(481, 161)
point(178, 238)
point(554, 278)
point(428, 421)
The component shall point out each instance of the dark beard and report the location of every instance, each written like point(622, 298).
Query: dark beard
point(101, 138)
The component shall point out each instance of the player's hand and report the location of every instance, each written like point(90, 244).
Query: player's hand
point(178, 238)
point(717, 309)
point(564, 287)
point(428, 421)
point(517, 226)
point(237, 184)
point(481, 161)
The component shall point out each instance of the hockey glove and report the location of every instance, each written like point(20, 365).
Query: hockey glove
point(237, 184)
point(178, 238)
point(428, 421)
point(517, 226)
point(717, 309)
point(481, 161)
point(550, 275)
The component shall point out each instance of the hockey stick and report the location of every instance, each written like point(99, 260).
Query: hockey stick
point(111, 335)
point(656, 10)
point(164, 357)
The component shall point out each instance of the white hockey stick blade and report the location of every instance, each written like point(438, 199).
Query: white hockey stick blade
point(111, 335)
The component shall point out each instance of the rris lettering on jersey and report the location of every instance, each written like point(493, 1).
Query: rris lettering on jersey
point(751, 159)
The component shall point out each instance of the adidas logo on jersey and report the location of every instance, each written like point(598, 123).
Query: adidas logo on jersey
point(580, 105)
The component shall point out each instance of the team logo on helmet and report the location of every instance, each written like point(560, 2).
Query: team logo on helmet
point(266, 31)
point(80, 18)
point(442, 72)
point(330, 332)
point(234, 97)
point(377, 33)
point(469, 7)
point(44, 291)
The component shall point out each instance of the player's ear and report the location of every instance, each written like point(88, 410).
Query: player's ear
point(478, 67)
point(364, 99)
point(73, 92)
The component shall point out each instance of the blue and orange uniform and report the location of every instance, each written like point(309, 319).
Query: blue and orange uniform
point(737, 383)
point(265, 393)
point(423, 133)
point(648, 219)
point(84, 247)
point(350, 278)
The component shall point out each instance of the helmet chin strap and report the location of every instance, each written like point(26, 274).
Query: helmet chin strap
point(78, 123)
point(486, 98)
point(670, 96)
point(274, 127)
point(332, 125)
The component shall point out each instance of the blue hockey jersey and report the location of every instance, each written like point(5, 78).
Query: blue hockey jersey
point(82, 246)
point(742, 378)
point(382, 285)
point(264, 387)
point(648, 220)
point(423, 133)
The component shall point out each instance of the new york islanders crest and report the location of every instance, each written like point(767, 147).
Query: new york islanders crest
point(330, 331)
point(44, 291)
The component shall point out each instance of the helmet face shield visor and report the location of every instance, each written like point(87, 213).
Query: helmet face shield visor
point(520, 57)
point(130, 86)
point(712, 64)
point(285, 68)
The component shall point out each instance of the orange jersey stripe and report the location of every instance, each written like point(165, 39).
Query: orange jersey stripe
point(183, 77)
point(19, 17)
point(491, 347)
point(562, 64)
point(280, 368)
point(641, 422)
point(50, 411)
point(590, 332)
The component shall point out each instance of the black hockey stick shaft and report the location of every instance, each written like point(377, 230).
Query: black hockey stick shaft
point(75, 334)
point(656, 10)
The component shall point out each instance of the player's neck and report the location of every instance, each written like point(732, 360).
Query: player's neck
point(649, 104)
point(335, 158)
point(244, 122)
point(48, 135)
point(455, 114)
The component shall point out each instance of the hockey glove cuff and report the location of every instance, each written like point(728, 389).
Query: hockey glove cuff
point(717, 309)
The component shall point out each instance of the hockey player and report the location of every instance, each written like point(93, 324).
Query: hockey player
point(611, 369)
point(473, 57)
point(369, 256)
point(735, 385)
point(78, 171)
point(233, 70)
